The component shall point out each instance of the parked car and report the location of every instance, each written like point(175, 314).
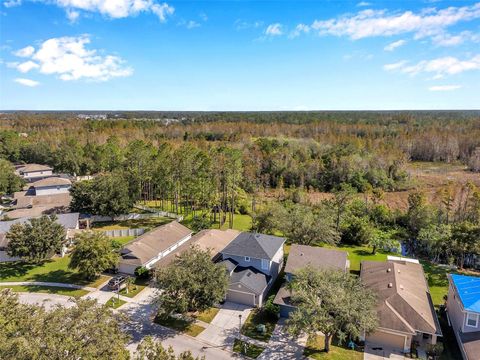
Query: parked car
point(117, 283)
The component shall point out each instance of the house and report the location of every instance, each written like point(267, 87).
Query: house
point(68, 221)
point(214, 240)
point(33, 172)
point(301, 256)
point(151, 247)
point(27, 204)
point(404, 306)
point(50, 186)
point(253, 262)
point(463, 309)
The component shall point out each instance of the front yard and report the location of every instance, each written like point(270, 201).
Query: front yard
point(315, 350)
point(114, 303)
point(208, 315)
point(250, 350)
point(182, 325)
point(255, 318)
point(76, 293)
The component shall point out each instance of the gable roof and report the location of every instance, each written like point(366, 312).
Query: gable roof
point(258, 246)
point(317, 257)
point(51, 181)
point(151, 244)
point(214, 240)
point(250, 278)
point(68, 221)
point(403, 300)
point(468, 290)
point(33, 168)
point(229, 264)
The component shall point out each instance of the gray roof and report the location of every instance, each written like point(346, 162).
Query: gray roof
point(320, 258)
point(258, 246)
point(229, 264)
point(68, 221)
point(250, 278)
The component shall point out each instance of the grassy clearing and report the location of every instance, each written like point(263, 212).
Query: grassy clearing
point(122, 240)
point(249, 350)
point(115, 303)
point(76, 293)
point(208, 315)
point(315, 350)
point(181, 325)
point(149, 223)
point(255, 318)
point(135, 288)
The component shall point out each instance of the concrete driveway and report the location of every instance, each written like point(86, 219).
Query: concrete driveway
point(282, 346)
point(223, 329)
point(377, 352)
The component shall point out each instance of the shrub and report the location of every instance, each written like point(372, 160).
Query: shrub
point(271, 310)
point(142, 272)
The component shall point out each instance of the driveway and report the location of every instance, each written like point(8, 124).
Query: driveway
point(47, 300)
point(223, 329)
point(376, 352)
point(282, 346)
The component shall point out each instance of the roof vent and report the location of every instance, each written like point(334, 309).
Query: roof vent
point(301, 254)
point(390, 285)
point(398, 271)
point(401, 287)
point(389, 270)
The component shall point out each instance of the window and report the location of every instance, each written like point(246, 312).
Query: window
point(247, 258)
point(265, 264)
point(472, 320)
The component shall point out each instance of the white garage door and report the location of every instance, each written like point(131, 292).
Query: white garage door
point(386, 339)
point(241, 297)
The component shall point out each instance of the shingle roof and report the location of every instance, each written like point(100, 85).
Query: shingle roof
point(403, 299)
point(250, 278)
point(471, 344)
point(51, 181)
point(33, 168)
point(317, 257)
point(229, 264)
point(214, 240)
point(258, 246)
point(23, 200)
point(468, 289)
point(151, 244)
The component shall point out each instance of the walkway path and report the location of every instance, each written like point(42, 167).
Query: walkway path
point(47, 300)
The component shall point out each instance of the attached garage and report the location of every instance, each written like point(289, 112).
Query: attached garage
point(395, 341)
point(241, 297)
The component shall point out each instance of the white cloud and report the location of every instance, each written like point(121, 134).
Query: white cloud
point(440, 67)
point(111, 8)
point(274, 29)
point(445, 39)
point(12, 3)
point(363, 4)
point(27, 66)
point(370, 23)
point(392, 46)
point(192, 24)
point(299, 29)
point(26, 82)
point(25, 52)
point(444, 87)
point(69, 59)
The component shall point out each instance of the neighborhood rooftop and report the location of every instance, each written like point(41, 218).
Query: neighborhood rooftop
point(320, 258)
point(51, 181)
point(468, 289)
point(252, 279)
point(404, 302)
point(254, 245)
point(33, 168)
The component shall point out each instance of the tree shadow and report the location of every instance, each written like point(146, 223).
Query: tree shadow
point(14, 270)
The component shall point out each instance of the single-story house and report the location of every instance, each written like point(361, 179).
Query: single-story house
point(25, 205)
point(151, 247)
point(68, 221)
point(463, 309)
point(254, 262)
point(50, 186)
point(404, 306)
point(301, 256)
point(32, 172)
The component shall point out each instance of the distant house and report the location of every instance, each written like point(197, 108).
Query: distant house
point(404, 305)
point(68, 221)
point(50, 186)
point(153, 246)
point(253, 262)
point(301, 256)
point(463, 309)
point(33, 172)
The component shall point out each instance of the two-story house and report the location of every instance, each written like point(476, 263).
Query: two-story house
point(253, 262)
point(301, 256)
point(463, 309)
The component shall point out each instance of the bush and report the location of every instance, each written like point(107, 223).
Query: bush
point(200, 223)
point(142, 272)
point(271, 310)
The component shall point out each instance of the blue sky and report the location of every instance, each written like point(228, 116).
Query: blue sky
point(239, 55)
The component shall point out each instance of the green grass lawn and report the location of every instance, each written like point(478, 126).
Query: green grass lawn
point(249, 350)
point(181, 325)
point(76, 293)
point(255, 318)
point(315, 350)
point(54, 270)
point(133, 290)
point(437, 281)
point(122, 240)
point(115, 303)
point(208, 315)
point(148, 223)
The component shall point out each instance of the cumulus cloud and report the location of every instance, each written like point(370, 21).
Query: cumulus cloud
point(111, 8)
point(299, 29)
point(371, 23)
point(25, 52)
point(444, 87)
point(274, 30)
point(445, 39)
point(69, 59)
point(392, 46)
point(440, 67)
point(26, 82)
point(363, 4)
